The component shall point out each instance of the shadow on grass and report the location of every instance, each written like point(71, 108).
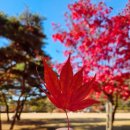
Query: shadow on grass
point(52, 124)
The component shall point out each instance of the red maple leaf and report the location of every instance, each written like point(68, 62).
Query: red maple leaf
point(67, 91)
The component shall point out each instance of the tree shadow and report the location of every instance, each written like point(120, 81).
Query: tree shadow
point(126, 127)
point(52, 124)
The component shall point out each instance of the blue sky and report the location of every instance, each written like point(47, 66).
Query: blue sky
point(54, 11)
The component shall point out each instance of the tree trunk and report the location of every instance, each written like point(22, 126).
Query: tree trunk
point(21, 108)
point(110, 110)
point(18, 105)
point(16, 113)
point(7, 106)
point(115, 106)
point(0, 120)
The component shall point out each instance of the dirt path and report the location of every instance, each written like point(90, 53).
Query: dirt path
point(71, 115)
point(79, 121)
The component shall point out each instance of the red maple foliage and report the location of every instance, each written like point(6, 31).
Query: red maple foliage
point(68, 91)
point(97, 41)
point(101, 43)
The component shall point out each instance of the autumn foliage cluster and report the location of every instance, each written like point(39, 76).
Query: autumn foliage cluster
point(101, 43)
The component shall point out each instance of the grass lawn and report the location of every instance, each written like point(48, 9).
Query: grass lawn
point(79, 121)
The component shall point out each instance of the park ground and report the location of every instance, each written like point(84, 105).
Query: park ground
point(78, 121)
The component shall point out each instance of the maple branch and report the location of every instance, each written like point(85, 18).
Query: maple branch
point(43, 90)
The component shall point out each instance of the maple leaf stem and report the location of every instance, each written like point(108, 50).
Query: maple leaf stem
point(68, 122)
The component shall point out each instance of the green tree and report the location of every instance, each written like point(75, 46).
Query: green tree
point(17, 61)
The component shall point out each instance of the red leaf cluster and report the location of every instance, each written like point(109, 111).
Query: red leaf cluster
point(100, 42)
